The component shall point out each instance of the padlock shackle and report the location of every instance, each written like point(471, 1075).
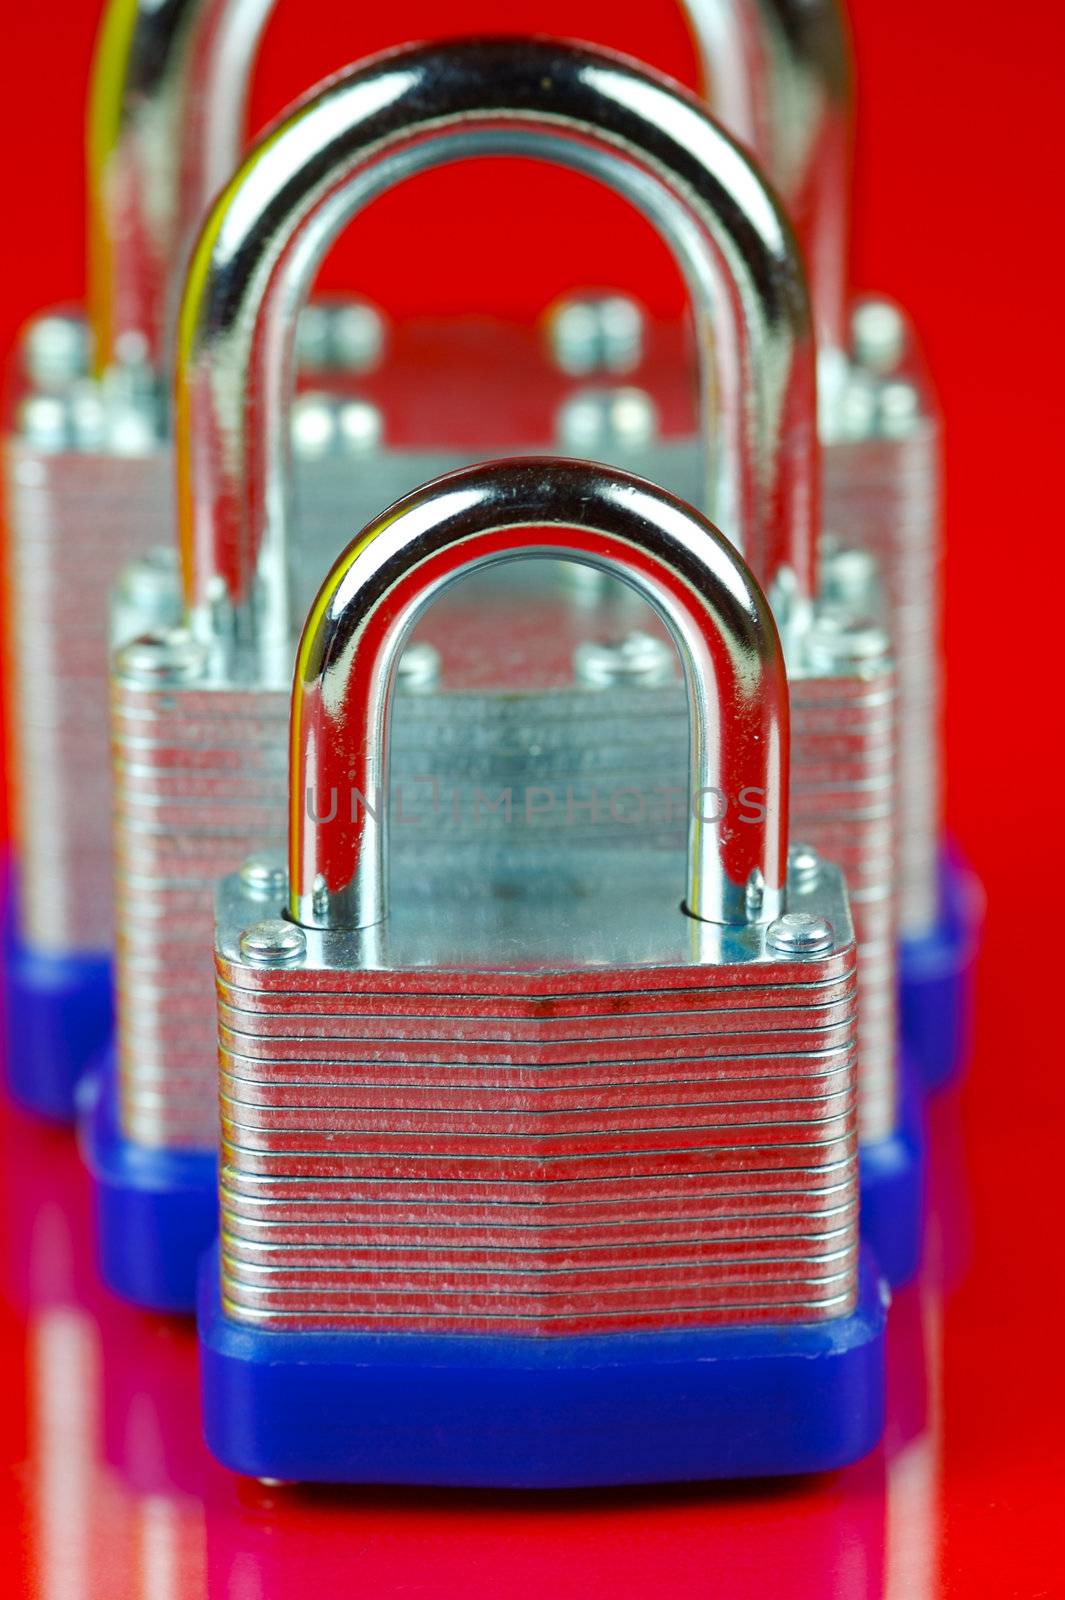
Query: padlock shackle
point(392, 572)
point(140, 203)
point(774, 73)
point(402, 113)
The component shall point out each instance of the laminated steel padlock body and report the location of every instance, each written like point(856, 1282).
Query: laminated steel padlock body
point(883, 495)
point(628, 1105)
point(87, 485)
point(196, 763)
point(593, 765)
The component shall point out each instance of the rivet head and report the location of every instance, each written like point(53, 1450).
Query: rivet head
point(878, 330)
point(840, 641)
point(639, 658)
point(419, 668)
point(168, 657)
point(798, 933)
point(607, 419)
point(596, 333)
point(56, 350)
point(804, 864)
point(264, 876)
point(273, 943)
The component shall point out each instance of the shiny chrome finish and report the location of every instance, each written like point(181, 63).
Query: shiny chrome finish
point(345, 670)
point(374, 125)
point(137, 220)
point(88, 471)
point(555, 1104)
point(774, 73)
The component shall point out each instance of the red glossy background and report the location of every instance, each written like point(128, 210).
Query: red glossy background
point(958, 215)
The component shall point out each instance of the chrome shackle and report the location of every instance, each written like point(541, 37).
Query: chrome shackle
point(392, 572)
point(413, 109)
point(139, 207)
point(774, 73)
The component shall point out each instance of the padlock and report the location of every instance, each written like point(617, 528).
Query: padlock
point(596, 758)
point(87, 469)
point(552, 1187)
point(199, 714)
point(777, 75)
point(882, 437)
point(844, 772)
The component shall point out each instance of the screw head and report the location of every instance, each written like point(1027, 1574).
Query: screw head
point(264, 876)
point(273, 943)
point(798, 933)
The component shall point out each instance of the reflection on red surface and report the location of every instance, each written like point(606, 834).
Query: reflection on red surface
point(117, 1496)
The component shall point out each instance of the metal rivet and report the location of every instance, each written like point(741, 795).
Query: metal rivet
point(596, 333)
point(312, 338)
point(419, 668)
point(850, 578)
point(840, 639)
point(639, 658)
point(798, 933)
point(878, 333)
point(899, 409)
point(356, 336)
point(360, 426)
point(170, 657)
point(264, 876)
point(43, 421)
point(314, 426)
point(273, 943)
point(606, 420)
point(56, 351)
point(152, 581)
point(804, 864)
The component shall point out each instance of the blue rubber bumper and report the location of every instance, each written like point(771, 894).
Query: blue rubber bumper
point(526, 1413)
point(156, 1210)
point(58, 1016)
point(936, 975)
point(893, 1186)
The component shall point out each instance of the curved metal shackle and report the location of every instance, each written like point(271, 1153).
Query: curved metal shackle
point(774, 73)
point(718, 616)
point(402, 113)
point(138, 205)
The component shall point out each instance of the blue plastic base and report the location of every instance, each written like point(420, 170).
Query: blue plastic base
point(156, 1210)
point(58, 1016)
point(514, 1413)
point(936, 975)
point(893, 1187)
